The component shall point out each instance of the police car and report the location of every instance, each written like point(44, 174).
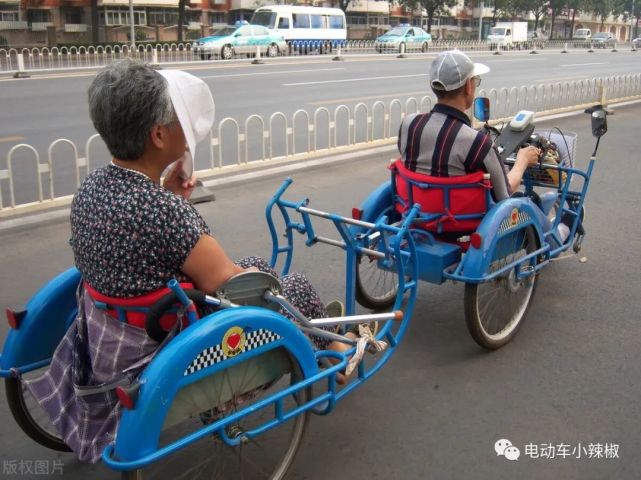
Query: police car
point(239, 39)
point(403, 38)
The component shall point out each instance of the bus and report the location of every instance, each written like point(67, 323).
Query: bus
point(301, 26)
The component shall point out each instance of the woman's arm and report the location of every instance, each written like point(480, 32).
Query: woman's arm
point(208, 266)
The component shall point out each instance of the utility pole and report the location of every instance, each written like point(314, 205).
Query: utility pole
point(481, 21)
point(132, 32)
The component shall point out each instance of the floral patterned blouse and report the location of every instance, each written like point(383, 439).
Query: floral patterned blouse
point(130, 236)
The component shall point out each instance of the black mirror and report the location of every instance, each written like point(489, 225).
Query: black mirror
point(599, 123)
point(599, 120)
point(482, 109)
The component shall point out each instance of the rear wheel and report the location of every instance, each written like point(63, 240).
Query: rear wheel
point(272, 50)
point(376, 288)
point(494, 310)
point(29, 415)
point(226, 52)
point(267, 456)
point(424, 47)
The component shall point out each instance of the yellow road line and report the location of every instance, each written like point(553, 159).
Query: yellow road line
point(15, 138)
point(373, 97)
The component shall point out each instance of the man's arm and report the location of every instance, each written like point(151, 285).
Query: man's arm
point(504, 184)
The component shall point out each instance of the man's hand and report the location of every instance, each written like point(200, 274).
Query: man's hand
point(528, 156)
point(174, 183)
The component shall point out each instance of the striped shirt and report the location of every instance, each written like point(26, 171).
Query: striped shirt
point(442, 143)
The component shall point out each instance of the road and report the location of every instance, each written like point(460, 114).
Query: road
point(569, 378)
point(39, 110)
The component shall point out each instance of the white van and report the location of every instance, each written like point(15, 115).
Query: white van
point(582, 34)
point(317, 26)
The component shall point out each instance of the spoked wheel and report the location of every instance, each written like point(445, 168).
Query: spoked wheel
point(227, 53)
point(494, 310)
point(267, 456)
point(29, 415)
point(375, 288)
point(272, 50)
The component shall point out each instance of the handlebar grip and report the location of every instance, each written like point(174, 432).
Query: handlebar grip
point(158, 309)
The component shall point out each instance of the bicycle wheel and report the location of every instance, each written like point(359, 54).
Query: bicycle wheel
point(376, 288)
point(494, 310)
point(29, 415)
point(268, 456)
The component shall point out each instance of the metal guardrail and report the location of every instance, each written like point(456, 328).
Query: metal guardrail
point(304, 134)
point(13, 60)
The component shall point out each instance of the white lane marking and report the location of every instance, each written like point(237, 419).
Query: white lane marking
point(537, 59)
point(583, 64)
point(352, 80)
point(282, 72)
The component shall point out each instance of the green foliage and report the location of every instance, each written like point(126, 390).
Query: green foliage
point(193, 34)
point(431, 7)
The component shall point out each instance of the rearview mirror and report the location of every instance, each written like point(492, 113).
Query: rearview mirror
point(482, 109)
point(599, 119)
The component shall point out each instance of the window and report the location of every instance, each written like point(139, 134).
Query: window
point(163, 17)
point(410, 33)
point(301, 20)
point(9, 16)
point(283, 22)
point(266, 19)
point(260, 30)
point(73, 15)
point(317, 21)
point(356, 19)
point(217, 18)
point(336, 21)
point(38, 16)
point(244, 31)
point(121, 17)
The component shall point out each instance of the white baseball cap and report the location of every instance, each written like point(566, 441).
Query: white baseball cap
point(193, 104)
point(452, 68)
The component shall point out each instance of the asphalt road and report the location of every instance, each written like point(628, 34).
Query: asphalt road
point(39, 110)
point(435, 411)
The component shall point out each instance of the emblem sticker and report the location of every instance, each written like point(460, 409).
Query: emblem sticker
point(234, 342)
point(514, 217)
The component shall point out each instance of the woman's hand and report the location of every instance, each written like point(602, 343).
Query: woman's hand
point(176, 184)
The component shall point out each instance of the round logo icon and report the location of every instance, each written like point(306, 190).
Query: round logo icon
point(233, 341)
point(514, 217)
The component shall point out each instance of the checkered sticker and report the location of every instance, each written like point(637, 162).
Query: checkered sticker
point(512, 221)
point(213, 355)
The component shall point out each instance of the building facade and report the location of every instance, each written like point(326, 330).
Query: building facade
point(55, 22)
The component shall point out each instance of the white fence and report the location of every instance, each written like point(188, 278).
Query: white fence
point(258, 141)
point(43, 59)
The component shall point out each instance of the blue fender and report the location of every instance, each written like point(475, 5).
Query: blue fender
point(496, 224)
point(192, 355)
point(48, 315)
point(375, 204)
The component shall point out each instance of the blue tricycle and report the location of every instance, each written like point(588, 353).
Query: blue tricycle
point(228, 396)
point(461, 234)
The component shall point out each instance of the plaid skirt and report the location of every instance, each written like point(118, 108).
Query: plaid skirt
point(99, 352)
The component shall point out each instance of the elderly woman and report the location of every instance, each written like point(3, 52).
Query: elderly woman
point(130, 235)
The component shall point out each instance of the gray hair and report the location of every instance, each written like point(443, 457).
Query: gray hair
point(126, 100)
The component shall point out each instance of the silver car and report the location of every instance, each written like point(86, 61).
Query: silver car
point(603, 40)
point(636, 43)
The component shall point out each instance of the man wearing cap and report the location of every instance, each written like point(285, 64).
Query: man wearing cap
point(442, 143)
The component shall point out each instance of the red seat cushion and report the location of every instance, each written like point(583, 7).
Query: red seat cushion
point(136, 318)
point(431, 197)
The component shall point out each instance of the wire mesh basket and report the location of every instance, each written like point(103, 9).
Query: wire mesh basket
point(566, 147)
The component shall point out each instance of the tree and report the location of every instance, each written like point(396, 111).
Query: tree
point(93, 9)
point(431, 7)
point(181, 18)
point(343, 4)
point(539, 9)
point(555, 6)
